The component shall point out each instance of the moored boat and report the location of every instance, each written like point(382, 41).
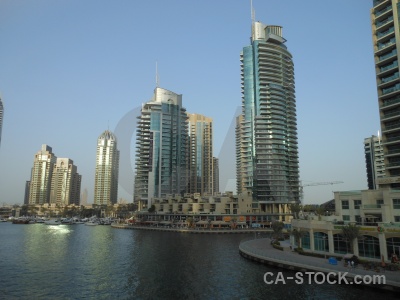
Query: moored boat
point(52, 222)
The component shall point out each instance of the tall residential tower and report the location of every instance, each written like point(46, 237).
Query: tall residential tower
point(266, 132)
point(41, 174)
point(386, 41)
point(161, 149)
point(65, 183)
point(374, 161)
point(200, 154)
point(107, 169)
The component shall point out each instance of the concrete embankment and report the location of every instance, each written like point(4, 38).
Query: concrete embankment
point(261, 250)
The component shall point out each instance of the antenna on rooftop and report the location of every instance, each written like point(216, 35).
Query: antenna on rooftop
point(253, 13)
point(157, 80)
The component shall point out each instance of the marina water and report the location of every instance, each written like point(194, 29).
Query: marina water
point(100, 262)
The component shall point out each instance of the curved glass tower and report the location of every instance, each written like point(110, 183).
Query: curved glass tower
point(266, 131)
point(161, 149)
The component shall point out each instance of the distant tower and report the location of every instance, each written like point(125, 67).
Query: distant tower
point(84, 197)
point(42, 171)
point(1, 117)
point(27, 188)
point(161, 148)
point(200, 154)
point(266, 137)
point(215, 175)
point(107, 168)
point(374, 161)
point(65, 183)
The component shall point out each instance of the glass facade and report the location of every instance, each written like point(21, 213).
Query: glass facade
point(368, 246)
point(161, 148)
point(266, 133)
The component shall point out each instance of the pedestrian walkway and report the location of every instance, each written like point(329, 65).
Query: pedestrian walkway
point(261, 250)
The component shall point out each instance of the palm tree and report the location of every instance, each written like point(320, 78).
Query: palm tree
point(277, 227)
point(350, 233)
point(298, 235)
point(295, 208)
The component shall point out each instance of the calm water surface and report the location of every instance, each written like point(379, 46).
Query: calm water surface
point(99, 262)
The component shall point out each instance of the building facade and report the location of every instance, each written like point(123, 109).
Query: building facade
point(266, 132)
point(42, 172)
point(215, 175)
point(107, 170)
point(374, 161)
point(200, 155)
point(65, 183)
point(161, 149)
point(386, 41)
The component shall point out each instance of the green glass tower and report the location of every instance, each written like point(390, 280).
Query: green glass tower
point(266, 131)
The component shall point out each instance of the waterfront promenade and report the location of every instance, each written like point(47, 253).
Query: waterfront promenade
point(198, 230)
point(262, 251)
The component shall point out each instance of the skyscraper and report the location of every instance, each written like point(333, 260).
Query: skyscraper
point(161, 148)
point(266, 132)
point(374, 161)
point(42, 171)
point(65, 183)
point(215, 175)
point(386, 39)
point(107, 169)
point(1, 117)
point(200, 154)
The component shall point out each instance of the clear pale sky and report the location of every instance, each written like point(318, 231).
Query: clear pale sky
point(71, 69)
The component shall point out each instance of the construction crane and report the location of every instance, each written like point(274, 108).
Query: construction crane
point(314, 184)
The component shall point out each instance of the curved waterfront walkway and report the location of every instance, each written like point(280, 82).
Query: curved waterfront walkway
point(261, 250)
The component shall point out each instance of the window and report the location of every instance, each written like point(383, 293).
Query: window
point(397, 218)
point(345, 204)
point(396, 203)
point(368, 246)
point(357, 204)
point(346, 218)
point(379, 203)
point(358, 220)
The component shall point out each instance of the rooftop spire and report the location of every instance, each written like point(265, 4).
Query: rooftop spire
point(253, 13)
point(157, 80)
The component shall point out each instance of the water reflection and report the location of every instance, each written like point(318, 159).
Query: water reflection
point(99, 262)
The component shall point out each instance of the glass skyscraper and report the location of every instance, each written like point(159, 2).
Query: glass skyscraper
point(386, 40)
point(107, 169)
point(161, 149)
point(266, 132)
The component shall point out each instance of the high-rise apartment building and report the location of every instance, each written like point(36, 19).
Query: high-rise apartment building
point(215, 175)
point(386, 42)
point(42, 171)
point(107, 169)
point(200, 154)
point(266, 132)
point(161, 148)
point(65, 183)
point(374, 161)
point(1, 117)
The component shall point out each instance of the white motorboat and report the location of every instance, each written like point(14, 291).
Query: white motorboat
point(52, 222)
point(91, 223)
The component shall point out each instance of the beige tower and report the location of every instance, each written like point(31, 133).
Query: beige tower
point(107, 168)
point(200, 154)
point(65, 183)
point(42, 171)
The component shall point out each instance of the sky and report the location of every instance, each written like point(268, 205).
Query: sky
point(69, 70)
